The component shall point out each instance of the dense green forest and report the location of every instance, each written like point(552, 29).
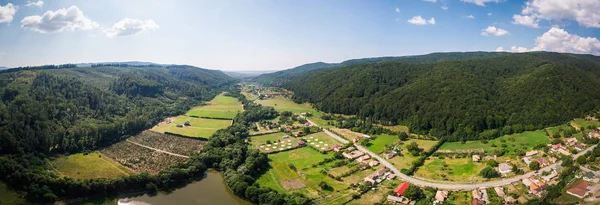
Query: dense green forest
point(463, 99)
point(277, 78)
point(64, 109)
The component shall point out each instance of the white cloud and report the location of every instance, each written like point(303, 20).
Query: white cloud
point(585, 12)
point(397, 10)
point(129, 26)
point(57, 21)
point(37, 3)
point(559, 40)
point(470, 17)
point(444, 7)
point(513, 49)
point(489, 14)
point(418, 20)
point(492, 30)
point(481, 2)
point(526, 20)
point(432, 1)
point(7, 12)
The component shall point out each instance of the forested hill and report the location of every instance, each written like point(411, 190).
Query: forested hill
point(277, 78)
point(71, 109)
point(465, 99)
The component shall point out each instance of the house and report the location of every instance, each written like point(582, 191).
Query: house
point(542, 161)
point(391, 176)
point(366, 136)
point(401, 188)
point(358, 138)
point(402, 200)
point(187, 123)
point(527, 182)
point(571, 141)
point(373, 163)
point(336, 147)
point(381, 172)
point(579, 147)
point(549, 177)
point(476, 158)
point(556, 147)
point(366, 157)
point(564, 151)
point(477, 202)
point(588, 176)
point(300, 143)
point(371, 178)
point(527, 160)
point(288, 129)
point(353, 155)
point(440, 197)
point(389, 156)
point(537, 187)
point(476, 194)
point(579, 188)
point(500, 192)
point(531, 153)
point(594, 133)
point(494, 157)
point(552, 160)
point(350, 149)
point(504, 168)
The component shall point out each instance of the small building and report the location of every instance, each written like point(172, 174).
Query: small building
point(527, 160)
point(373, 163)
point(531, 153)
point(549, 177)
point(353, 155)
point(358, 138)
point(401, 188)
point(371, 178)
point(440, 197)
point(366, 157)
point(350, 149)
point(579, 147)
point(552, 160)
point(401, 200)
point(477, 202)
point(556, 147)
point(381, 172)
point(594, 133)
point(476, 194)
point(542, 161)
point(537, 187)
point(366, 136)
point(571, 141)
point(476, 158)
point(527, 182)
point(187, 123)
point(564, 151)
point(493, 157)
point(389, 156)
point(285, 137)
point(588, 176)
point(579, 188)
point(391, 176)
point(504, 168)
point(288, 129)
point(300, 143)
point(500, 192)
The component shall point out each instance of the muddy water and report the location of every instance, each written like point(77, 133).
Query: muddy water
point(209, 191)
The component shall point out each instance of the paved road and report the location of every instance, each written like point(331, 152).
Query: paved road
point(158, 150)
point(449, 186)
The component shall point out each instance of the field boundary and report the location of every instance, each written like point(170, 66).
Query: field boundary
point(111, 164)
point(185, 136)
point(158, 150)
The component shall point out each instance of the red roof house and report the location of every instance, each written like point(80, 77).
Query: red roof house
point(401, 188)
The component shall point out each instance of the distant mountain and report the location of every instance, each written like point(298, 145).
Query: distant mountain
point(248, 73)
point(280, 77)
point(479, 98)
point(3, 68)
point(131, 63)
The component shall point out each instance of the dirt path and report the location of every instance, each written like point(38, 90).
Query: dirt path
point(158, 150)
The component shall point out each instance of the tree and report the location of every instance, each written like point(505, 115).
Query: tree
point(567, 162)
point(413, 193)
point(306, 130)
point(491, 163)
point(556, 135)
point(402, 136)
point(489, 172)
point(534, 165)
point(581, 160)
point(324, 186)
point(151, 188)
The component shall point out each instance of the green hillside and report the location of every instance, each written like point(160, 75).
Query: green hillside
point(460, 99)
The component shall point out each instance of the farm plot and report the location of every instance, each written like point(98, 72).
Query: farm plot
point(458, 169)
point(346, 133)
point(319, 140)
point(281, 103)
point(169, 143)
point(273, 142)
point(199, 127)
point(140, 159)
point(223, 107)
point(87, 166)
point(525, 140)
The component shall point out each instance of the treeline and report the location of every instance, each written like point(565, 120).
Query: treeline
point(226, 151)
point(356, 125)
point(460, 100)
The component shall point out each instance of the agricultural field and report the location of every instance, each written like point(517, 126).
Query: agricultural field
point(579, 123)
point(222, 106)
point(281, 103)
point(396, 128)
point(200, 127)
point(451, 169)
point(513, 142)
point(92, 165)
point(320, 140)
point(276, 141)
point(169, 143)
point(8, 196)
point(140, 159)
point(346, 133)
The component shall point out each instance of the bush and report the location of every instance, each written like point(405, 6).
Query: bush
point(489, 172)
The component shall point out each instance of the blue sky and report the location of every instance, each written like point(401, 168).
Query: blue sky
point(272, 35)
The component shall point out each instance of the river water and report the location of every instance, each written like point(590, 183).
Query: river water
point(209, 191)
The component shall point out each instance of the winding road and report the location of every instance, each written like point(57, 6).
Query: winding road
point(449, 186)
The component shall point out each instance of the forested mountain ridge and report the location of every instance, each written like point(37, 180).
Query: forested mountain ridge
point(277, 78)
point(465, 99)
point(70, 109)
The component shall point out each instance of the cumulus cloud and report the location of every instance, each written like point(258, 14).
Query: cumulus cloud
point(418, 20)
point(481, 2)
point(470, 17)
point(37, 3)
point(57, 21)
point(492, 30)
point(7, 12)
point(513, 49)
point(559, 40)
point(397, 10)
point(444, 7)
point(526, 20)
point(585, 12)
point(129, 26)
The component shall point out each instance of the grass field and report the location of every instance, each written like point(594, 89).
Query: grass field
point(458, 198)
point(346, 133)
point(200, 127)
point(579, 122)
point(8, 196)
point(460, 169)
point(376, 145)
point(320, 140)
point(220, 107)
point(260, 142)
point(406, 159)
point(396, 128)
point(89, 166)
point(281, 103)
point(526, 139)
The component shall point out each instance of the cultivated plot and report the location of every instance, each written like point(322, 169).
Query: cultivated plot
point(92, 165)
point(511, 143)
point(222, 107)
point(198, 127)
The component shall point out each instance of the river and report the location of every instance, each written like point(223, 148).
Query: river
point(208, 191)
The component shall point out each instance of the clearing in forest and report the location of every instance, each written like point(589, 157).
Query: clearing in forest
point(199, 127)
point(222, 107)
point(526, 140)
point(92, 165)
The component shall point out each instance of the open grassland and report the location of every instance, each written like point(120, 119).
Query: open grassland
point(140, 159)
point(458, 198)
point(552, 130)
point(276, 142)
point(169, 143)
point(377, 145)
point(513, 142)
point(579, 123)
point(406, 160)
point(346, 133)
point(92, 165)
point(281, 103)
point(10, 197)
point(320, 140)
point(458, 169)
point(220, 107)
point(200, 127)
point(396, 128)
